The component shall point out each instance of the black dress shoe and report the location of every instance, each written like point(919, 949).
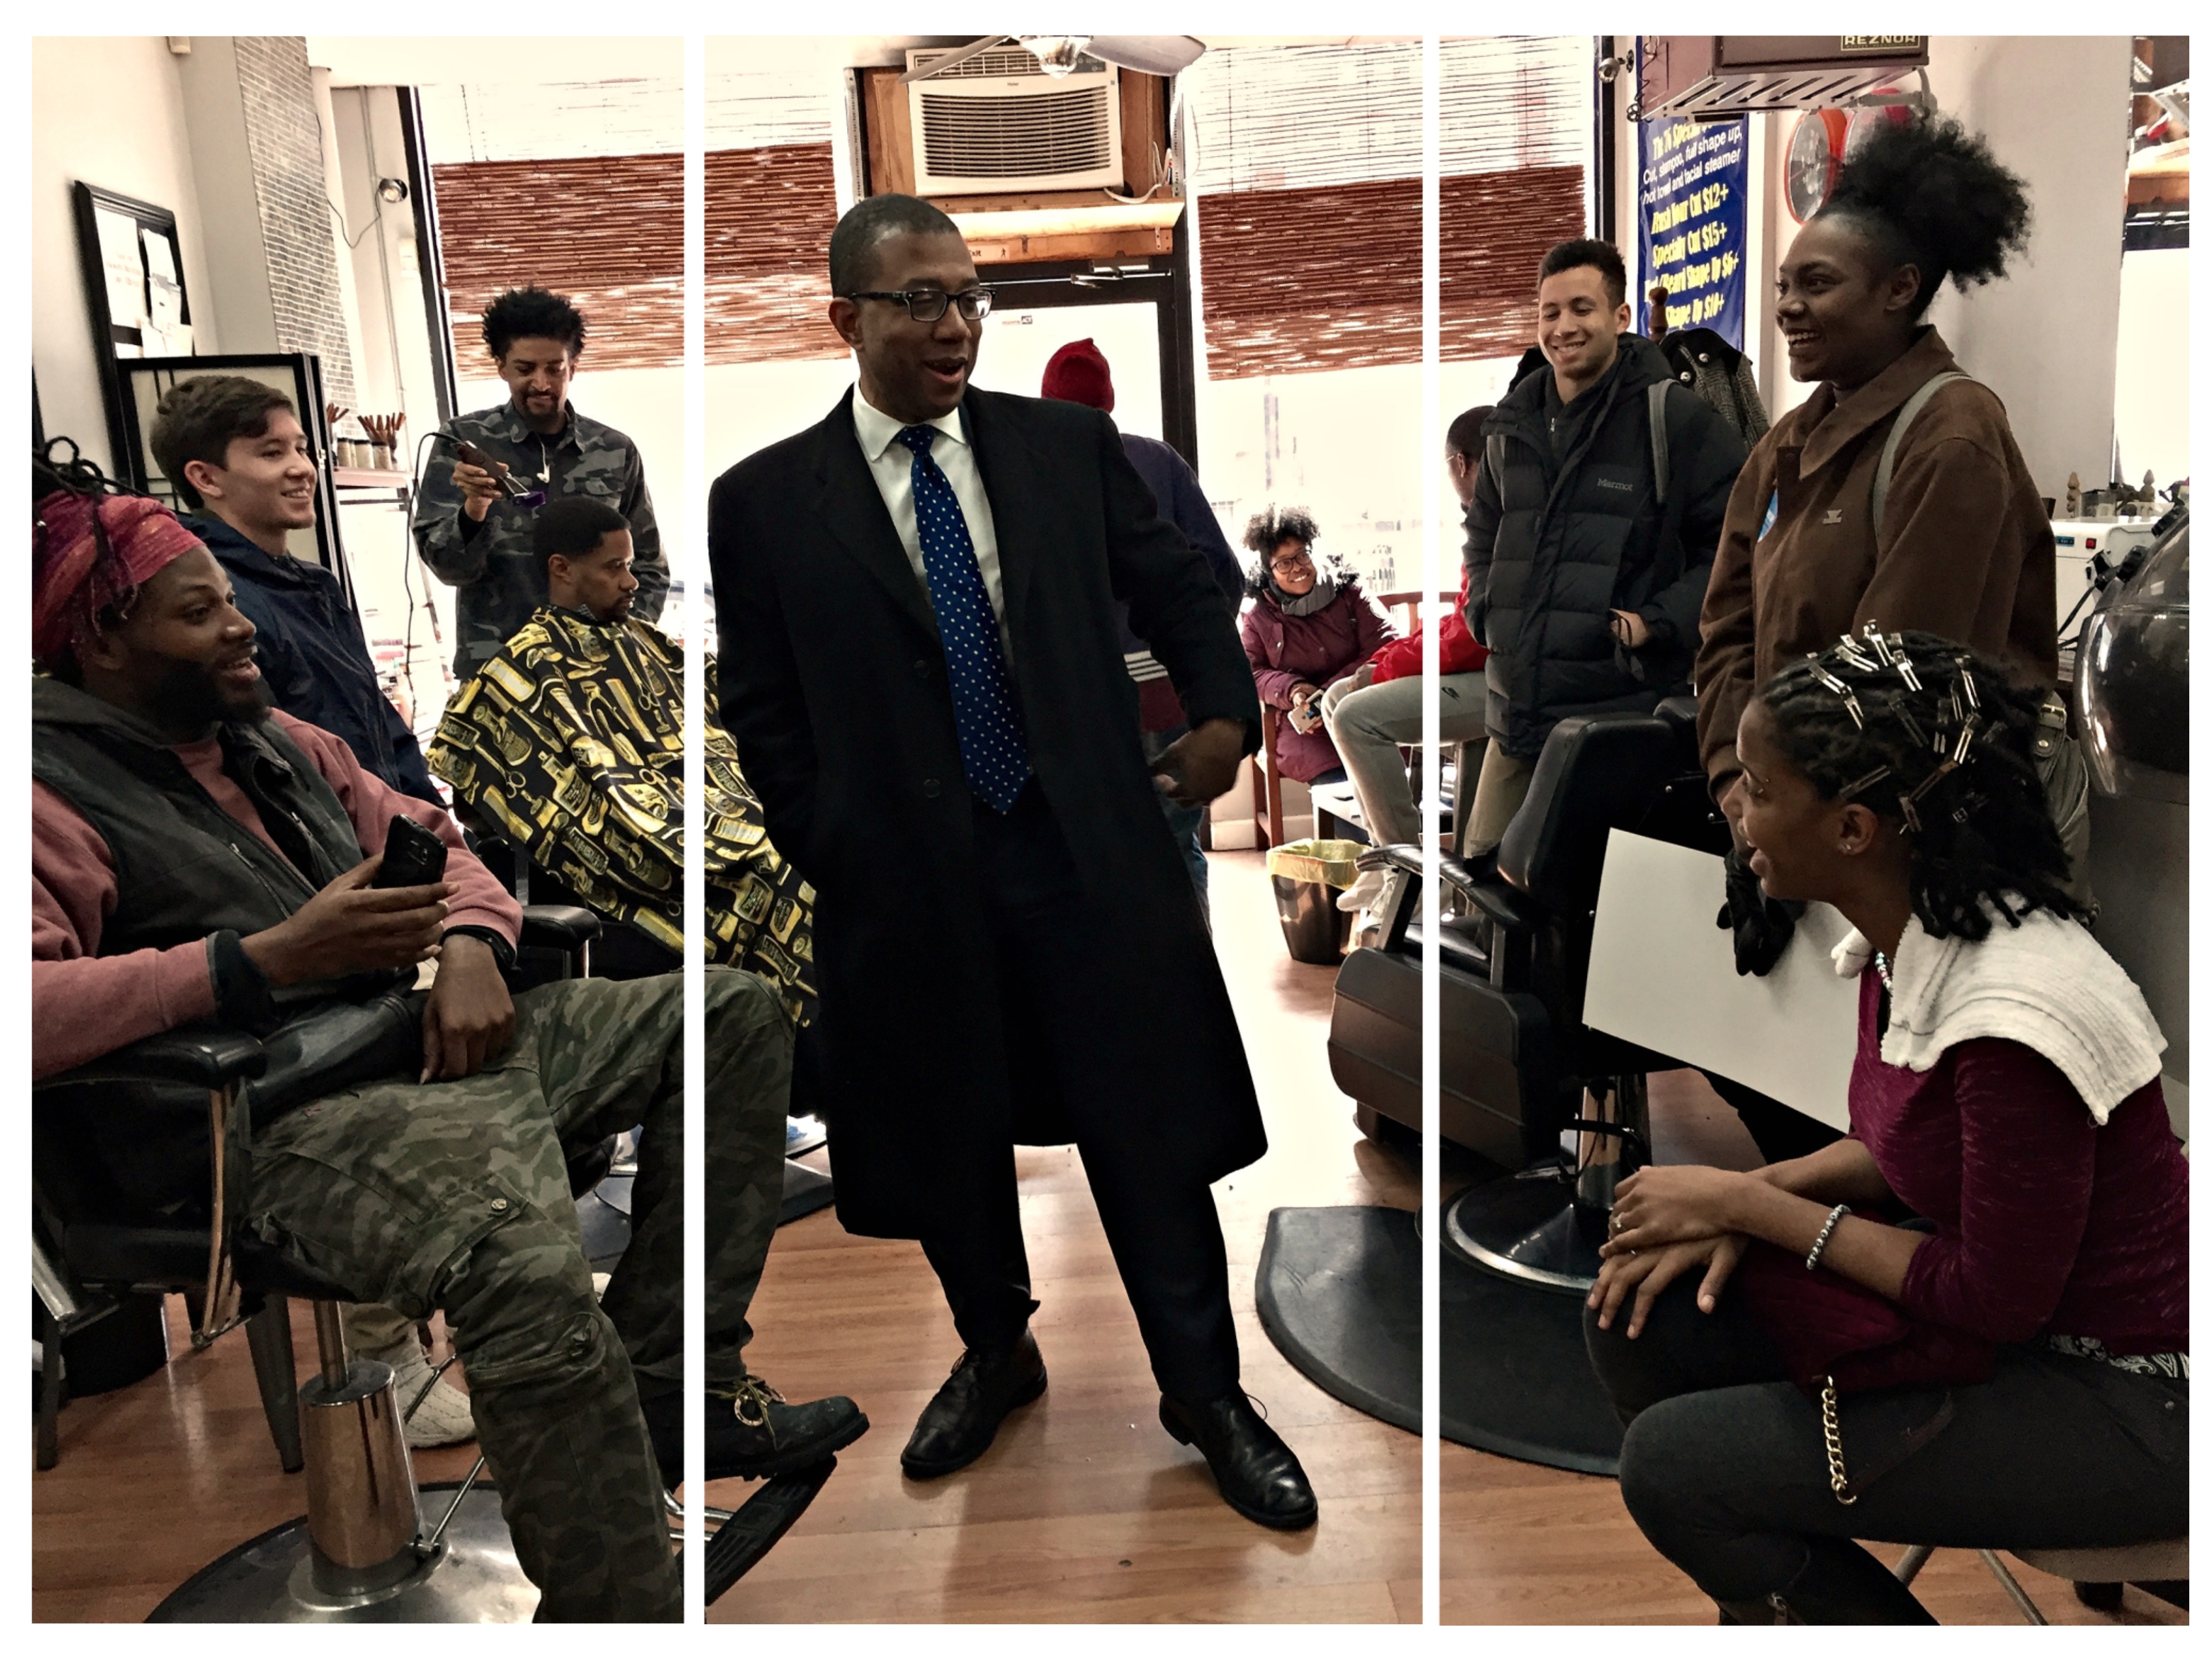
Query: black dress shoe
point(1258, 1475)
point(756, 1433)
point(957, 1425)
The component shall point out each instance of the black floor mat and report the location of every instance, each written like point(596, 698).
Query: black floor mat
point(1517, 1378)
point(1339, 1294)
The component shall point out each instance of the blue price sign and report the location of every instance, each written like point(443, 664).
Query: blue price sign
point(1690, 221)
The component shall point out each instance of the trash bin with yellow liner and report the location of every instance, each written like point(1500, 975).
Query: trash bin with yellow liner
point(1308, 875)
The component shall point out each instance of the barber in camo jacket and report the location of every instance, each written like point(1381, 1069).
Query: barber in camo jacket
point(471, 534)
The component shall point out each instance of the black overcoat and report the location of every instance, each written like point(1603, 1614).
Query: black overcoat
point(833, 684)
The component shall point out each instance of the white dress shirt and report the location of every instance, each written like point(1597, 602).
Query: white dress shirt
point(892, 463)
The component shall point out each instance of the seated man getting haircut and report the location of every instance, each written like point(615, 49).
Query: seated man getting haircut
point(195, 857)
point(570, 741)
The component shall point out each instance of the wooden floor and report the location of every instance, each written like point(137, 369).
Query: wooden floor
point(1085, 1510)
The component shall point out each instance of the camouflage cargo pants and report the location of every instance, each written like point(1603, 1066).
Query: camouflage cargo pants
point(454, 1196)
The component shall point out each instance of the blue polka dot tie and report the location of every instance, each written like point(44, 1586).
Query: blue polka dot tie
point(993, 751)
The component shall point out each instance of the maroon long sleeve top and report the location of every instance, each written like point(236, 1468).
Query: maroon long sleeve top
point(2045, 1223)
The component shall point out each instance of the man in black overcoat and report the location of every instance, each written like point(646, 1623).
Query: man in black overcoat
point(921, 666)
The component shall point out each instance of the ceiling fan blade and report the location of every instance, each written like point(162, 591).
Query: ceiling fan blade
point(951, 58)
point(1151, 54)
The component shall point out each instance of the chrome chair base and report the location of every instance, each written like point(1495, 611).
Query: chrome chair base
point(471, 1577)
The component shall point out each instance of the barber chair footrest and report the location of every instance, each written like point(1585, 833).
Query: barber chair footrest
point(1530, 1230)
point(474, 1577)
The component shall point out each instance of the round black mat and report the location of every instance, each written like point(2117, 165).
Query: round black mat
point(1339, 1294)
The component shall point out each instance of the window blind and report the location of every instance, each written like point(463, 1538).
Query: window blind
point(1306, 163)
point(1516, 114)
point(604, 231)
point(577, 187)
point(770, 213)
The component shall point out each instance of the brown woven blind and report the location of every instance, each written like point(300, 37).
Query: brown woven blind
point(1308, 214)
point(1302, 280)
point(770, 213)
point(605, 231)
point(1494, 230)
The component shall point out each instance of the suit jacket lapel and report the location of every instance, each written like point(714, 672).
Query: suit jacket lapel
point(852, 509)
point(1013, 479)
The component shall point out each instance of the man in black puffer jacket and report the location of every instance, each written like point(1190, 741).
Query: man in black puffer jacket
point(1590, 537)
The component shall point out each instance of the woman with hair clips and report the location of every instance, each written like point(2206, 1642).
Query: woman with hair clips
point(2008, 1370)
point(1311, 626)
point(1956, 542)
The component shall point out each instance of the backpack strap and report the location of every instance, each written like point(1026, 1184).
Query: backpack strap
point(1897, 428)
point(1656, 396)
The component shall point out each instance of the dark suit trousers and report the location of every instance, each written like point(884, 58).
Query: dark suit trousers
point(1064, 1032)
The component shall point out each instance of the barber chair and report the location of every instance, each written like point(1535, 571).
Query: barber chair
point(1519, 1068)
point(367, 1551)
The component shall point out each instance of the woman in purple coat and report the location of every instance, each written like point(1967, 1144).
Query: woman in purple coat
point(1309, 627)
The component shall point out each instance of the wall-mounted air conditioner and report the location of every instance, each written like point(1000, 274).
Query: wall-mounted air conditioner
point(998, 124)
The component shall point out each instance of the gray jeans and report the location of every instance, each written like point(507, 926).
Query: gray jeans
point(1369, 725)
point(1725, 1471)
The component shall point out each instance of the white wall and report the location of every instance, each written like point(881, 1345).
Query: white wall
point(111, 112)
point(2046, 338)
point(2151, 396)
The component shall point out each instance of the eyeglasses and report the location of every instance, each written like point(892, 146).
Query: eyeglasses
point(1296, 560)
point(929, 305)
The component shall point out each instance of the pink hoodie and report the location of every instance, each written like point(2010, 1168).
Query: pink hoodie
point(84, 1005)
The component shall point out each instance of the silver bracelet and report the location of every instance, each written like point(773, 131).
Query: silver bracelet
point(1828, 1231)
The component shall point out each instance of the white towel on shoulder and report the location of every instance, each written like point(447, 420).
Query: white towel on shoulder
point(2045, 983)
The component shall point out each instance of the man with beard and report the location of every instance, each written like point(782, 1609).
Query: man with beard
point(195, 856)
point(472, 534)
point(921, 665)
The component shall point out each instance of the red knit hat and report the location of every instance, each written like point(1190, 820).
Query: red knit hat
point(1079, 374)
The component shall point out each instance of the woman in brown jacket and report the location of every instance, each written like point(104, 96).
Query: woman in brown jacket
point(1961, 546)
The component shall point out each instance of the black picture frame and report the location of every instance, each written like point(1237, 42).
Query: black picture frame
point(106, 333)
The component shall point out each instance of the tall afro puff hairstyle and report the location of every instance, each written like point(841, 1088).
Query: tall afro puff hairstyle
point(1932, 735)
point(531, 313)
point(1932, 195)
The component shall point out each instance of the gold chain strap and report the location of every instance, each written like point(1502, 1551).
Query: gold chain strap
point(1838, 1480)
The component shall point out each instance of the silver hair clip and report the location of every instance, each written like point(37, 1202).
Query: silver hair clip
point(1905, 718)
point(1850, 699)
point(1966, 739)
point(1853, 790)
point(1974, 696)
point(1849, 650)
point(1904, 666)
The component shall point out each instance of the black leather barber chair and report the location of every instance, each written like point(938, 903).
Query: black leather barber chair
point(1519, 1069)
point(367, 1551)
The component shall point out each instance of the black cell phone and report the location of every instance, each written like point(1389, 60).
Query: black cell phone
point(413, 856)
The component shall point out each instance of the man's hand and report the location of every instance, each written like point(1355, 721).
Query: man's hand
point(1201, 765)
point(470, 1017)
point(348, 928)
point(478, 488)
point(1631, 629)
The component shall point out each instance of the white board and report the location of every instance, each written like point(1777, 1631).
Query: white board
point(1663, 975)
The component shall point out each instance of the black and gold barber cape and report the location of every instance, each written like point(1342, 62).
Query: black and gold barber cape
point(570, 741)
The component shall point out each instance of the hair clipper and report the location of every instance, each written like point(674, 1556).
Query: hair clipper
point(470, 453)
